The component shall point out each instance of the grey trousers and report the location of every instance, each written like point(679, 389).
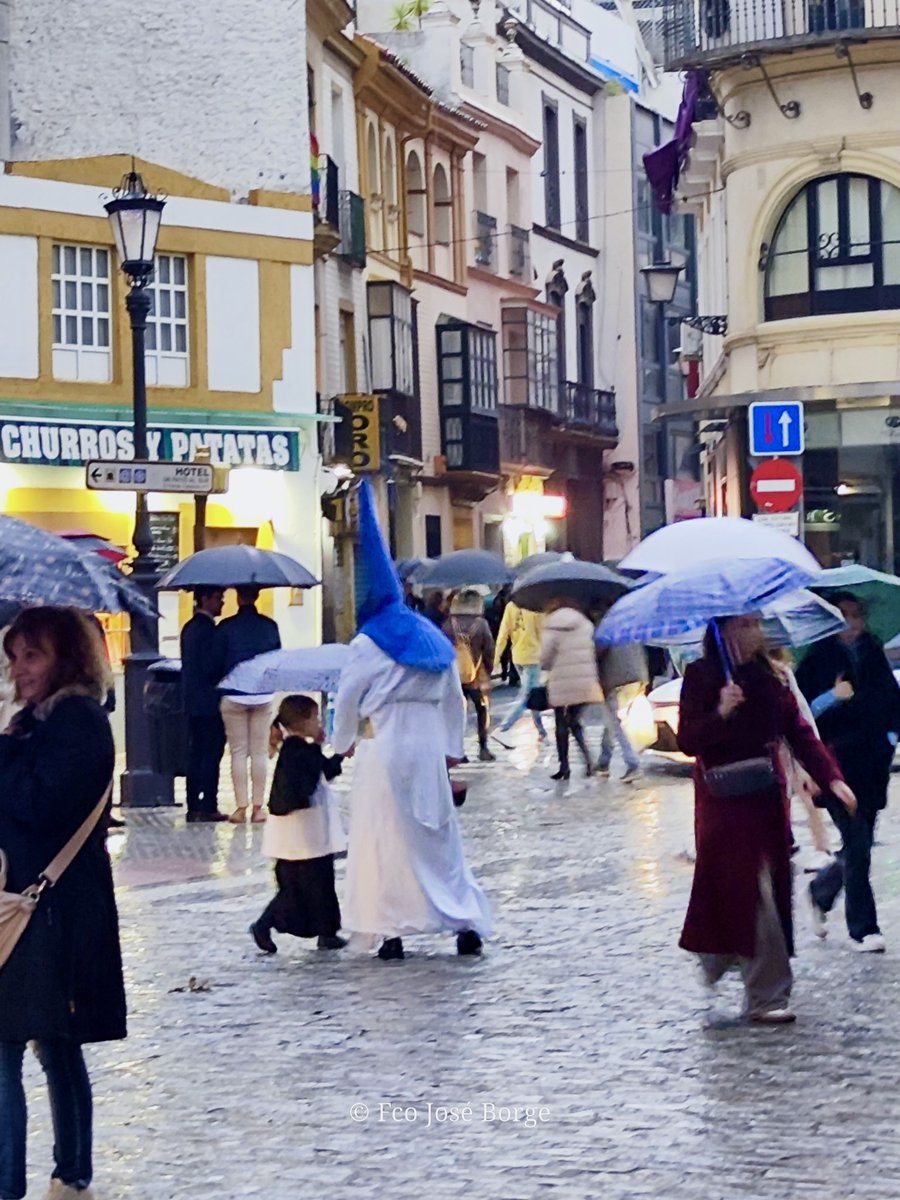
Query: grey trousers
point(767, 976)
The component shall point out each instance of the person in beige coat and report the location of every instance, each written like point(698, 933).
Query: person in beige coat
point(567, 653)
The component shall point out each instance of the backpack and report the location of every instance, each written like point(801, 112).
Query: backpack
point(465, 659)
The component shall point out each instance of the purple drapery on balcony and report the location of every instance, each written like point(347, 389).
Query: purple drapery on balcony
point(663, 165)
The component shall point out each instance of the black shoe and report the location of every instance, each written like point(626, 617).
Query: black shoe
point(589, 771)
point(330, 942)
point(468, 942)
point(485, 755)
point(114, 822)
point(204, 818)
point(562, 773)
point(602, 769)
point(391, 948)
point(263, 938)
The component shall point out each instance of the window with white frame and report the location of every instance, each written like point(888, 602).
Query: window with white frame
point(80, 283)
point(167, 325)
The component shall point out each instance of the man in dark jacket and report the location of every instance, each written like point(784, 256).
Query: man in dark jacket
point(856, 702)
point(202, 666)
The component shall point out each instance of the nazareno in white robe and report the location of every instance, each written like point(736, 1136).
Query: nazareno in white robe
point(406, 870)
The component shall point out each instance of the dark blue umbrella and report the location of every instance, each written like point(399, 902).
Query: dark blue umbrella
point(37, 567)
point(232, 566)
point(465, 568)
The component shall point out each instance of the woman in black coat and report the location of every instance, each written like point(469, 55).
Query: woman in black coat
point(62, 985)
point(856, 702)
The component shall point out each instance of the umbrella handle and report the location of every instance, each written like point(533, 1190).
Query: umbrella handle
point(723, 651)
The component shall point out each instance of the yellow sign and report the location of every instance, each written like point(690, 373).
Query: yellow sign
point(365, 454)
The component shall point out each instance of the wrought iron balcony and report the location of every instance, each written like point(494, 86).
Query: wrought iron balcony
point(486, 241)
point(519, 253)
point(717, 32)
point(523, 439)
point(352, 229)
point(590, 410)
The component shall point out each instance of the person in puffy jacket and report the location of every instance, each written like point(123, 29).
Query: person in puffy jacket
point(567, 653)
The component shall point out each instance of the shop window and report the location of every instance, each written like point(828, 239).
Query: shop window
point(80, 283)
point(167, 325)
point(836, 249)
point(530, 358)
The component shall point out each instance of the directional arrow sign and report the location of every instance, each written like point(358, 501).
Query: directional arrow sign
point(776, 428)
point(197, 479)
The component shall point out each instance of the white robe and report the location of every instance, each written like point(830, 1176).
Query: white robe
point(308, 832)
point(406, 870)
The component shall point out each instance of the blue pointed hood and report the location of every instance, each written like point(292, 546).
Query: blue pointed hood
point(382, 614)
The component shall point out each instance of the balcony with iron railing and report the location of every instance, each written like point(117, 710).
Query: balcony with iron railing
point(326, 208)
point(524, 441)
point(589, 411)
point(719, 32)
point(485, 241)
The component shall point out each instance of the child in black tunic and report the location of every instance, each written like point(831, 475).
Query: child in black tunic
point(303, 832)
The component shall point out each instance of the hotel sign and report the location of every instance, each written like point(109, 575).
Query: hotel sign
point(45, 442)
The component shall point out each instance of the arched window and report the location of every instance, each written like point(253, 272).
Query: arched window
point(390, 173)
point(836, 249)
point(372, 162)
point(443, 207)
point(415, 195)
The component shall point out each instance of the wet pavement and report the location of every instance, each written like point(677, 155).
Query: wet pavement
point(580, 1057)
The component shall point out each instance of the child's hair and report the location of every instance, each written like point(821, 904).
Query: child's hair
point(291, 711)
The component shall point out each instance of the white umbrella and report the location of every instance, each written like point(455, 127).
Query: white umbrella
point(312, 669)
point(687, 543)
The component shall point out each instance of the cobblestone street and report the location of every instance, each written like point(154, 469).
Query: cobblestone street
point(583, 1019)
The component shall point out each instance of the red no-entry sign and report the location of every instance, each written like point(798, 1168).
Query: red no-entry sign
point(776, 485)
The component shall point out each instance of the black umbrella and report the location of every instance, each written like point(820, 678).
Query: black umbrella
point(465, 568)
point(231, 566)
point(591, 584)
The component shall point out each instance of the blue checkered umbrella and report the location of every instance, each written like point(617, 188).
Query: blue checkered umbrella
point(681, 601)
point(37, 567)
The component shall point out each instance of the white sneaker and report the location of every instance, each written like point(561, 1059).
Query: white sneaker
point(872, 943)
point(818, 918)
point(63, 1191)
point(773, 1016)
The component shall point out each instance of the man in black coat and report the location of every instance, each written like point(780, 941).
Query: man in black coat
point(856, 702)
point(202, 666)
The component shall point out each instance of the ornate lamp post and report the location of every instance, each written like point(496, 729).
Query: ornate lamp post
point(135, 217)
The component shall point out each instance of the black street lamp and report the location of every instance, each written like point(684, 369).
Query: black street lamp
point(135, 217)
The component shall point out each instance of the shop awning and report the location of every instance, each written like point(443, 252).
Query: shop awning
point(868, 395)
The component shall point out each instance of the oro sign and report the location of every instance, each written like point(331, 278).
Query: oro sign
point(776, 486)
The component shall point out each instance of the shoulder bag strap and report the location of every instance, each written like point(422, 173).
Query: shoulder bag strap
point(51, 874)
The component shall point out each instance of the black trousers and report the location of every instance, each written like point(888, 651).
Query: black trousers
point(850, 871)
point(482, 712)
point(306, 904)
point(206, 745)
point(568, 721)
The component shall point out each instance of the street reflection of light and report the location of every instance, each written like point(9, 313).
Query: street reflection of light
point(647, 850)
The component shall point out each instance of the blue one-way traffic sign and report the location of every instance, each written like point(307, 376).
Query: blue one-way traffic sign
point(776, 428)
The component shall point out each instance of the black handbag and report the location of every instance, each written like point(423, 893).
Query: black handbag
point(538, 700)
point(741, 778)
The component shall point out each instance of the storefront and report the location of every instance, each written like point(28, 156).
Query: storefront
point(851, 495)
point(272, 499)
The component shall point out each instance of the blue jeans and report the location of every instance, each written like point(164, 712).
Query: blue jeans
point(70, 1108)
point(529, 677)
point(612, 726)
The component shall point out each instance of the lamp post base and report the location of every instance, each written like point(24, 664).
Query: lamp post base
point(141, 786)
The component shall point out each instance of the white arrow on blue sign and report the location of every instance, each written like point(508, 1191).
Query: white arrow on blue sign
point(776, 428)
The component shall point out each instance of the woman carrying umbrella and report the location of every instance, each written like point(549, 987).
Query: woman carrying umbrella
point(567, 653)
point(62, 985)
point(735, 710)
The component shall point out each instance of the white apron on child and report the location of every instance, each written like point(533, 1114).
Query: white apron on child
point(406, 869)
point(307, 832)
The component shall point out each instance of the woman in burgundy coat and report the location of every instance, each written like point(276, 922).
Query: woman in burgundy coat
point(740, 907)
